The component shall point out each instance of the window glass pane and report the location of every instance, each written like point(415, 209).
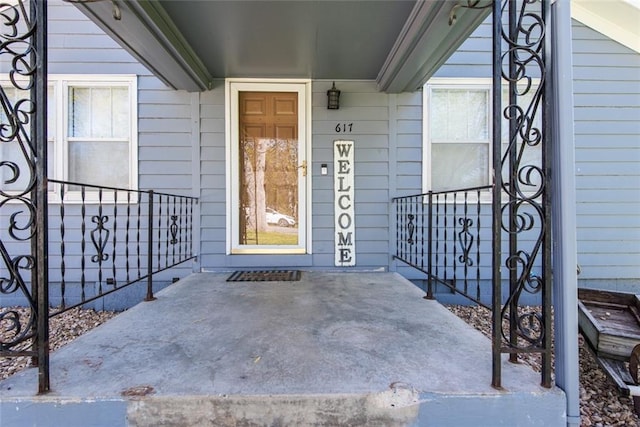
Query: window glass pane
point(459, 114)
point(101, 113)
point(456, 166)
point(120, 99)
point(51, 164)
point(438, 115)
point(478, 116)
point(79, 112)
point(51, 112)
point(99, 163)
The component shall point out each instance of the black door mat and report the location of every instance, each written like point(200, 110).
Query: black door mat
point(265, 276)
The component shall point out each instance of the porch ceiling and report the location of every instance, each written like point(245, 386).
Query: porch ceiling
point(190, 43)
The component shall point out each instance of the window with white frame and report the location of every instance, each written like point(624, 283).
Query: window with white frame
point(457, 134)
point(92, 131)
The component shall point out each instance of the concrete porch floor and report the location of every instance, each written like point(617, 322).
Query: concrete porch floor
point(357, 349)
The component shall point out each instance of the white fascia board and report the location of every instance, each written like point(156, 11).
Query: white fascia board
point(432, 33)
point(617, 19)
point(147, 32)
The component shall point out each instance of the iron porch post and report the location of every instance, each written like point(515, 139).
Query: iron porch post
point(38, 12)
point(497, 192)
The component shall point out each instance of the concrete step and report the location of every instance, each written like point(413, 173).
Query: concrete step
point(333, 349)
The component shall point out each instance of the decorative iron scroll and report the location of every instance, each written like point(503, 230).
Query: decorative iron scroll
point(525, 217)
point(17, 173)
point(410, 228)
point(438, 233)
point(173, 228)
point(100, 237)
point(465, 238)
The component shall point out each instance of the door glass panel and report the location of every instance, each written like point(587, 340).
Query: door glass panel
point(268, 169)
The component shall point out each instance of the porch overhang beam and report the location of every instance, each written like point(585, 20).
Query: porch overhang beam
point(148, 33)
point(434, 30)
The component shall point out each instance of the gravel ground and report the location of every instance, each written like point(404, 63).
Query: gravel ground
point(64, 328)
point(600, 403)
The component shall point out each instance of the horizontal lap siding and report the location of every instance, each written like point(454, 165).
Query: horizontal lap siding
point(78, 46)
point(164, 138)
point(473, 58)
point(368, 110)
point(407, 115)
point(213, 178)
point(607, 137)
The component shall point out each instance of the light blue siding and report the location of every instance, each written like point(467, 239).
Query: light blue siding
point(607, 137)
point(387, 131)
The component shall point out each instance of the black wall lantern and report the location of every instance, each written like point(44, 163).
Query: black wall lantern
point(333, 96)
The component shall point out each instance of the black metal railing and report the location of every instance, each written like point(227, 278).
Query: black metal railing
point(109, 238)
point(100, 240)
point(434, 236)
point(23, 191)
point(443, 235)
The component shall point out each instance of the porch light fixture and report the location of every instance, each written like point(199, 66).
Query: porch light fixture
point(333, 96)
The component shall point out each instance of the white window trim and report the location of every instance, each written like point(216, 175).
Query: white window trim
point(60, 84)
point(457, 83)
point(453, 83)
point(232, 87)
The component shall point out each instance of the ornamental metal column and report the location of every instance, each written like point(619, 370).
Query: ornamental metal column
point(23, 189)
point(522, 321)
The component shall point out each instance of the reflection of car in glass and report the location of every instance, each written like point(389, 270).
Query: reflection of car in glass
point(275, 217)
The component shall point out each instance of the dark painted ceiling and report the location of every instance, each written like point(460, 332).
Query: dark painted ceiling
point(304, 38)
point(190, 43)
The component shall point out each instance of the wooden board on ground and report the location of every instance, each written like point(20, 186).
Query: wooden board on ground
point(610, 321)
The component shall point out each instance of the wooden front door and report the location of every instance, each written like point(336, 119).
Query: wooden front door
point(271, 173)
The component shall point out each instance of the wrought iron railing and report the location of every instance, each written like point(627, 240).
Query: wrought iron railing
point(109, 238)
point(520, 214)
point(23, 130)
point(521, 60)
point(443, 234)
point(100, 240)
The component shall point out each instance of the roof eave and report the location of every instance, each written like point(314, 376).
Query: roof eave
point(147, 32)
point(432, 33)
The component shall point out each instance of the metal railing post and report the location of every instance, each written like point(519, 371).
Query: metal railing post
point(39, 94)
point(496, 305)
point(150, 296)
point(429, 246)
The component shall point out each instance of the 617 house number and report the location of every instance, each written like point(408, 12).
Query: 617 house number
point(344, 127)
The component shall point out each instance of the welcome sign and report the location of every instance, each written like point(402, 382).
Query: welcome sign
point(345, 244)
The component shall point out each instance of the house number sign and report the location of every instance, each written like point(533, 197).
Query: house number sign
point(345, 243)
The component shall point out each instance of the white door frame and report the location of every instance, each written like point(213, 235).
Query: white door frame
point(232, 89)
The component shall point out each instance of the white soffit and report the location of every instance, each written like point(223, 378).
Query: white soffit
point(616, 19)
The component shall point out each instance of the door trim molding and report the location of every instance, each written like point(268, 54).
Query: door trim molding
point(232, 86)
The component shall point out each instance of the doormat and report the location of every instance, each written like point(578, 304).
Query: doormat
point(265, 276)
